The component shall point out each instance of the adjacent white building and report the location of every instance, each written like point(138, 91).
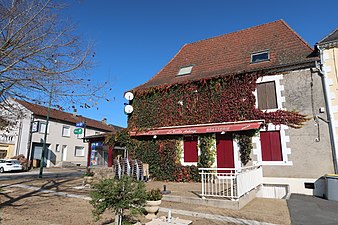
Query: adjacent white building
point(64, 139)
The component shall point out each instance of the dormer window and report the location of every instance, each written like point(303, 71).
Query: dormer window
point(260, 57)
point(185, 70)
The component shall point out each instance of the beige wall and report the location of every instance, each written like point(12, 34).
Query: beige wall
point(306, 151)
point(330, 68)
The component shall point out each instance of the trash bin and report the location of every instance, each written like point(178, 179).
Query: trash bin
point(331, 186)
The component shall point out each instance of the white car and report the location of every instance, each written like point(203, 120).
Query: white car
point(10, 165)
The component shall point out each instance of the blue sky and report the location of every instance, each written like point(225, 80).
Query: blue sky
point(134, 39)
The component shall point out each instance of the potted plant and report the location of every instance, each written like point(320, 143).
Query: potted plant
point(153, 201)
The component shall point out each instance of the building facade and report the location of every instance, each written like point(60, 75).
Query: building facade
point(262, 80)
point(65, 139)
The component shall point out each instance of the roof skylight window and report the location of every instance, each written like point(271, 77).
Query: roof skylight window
point(185, 70)
point(260, 57)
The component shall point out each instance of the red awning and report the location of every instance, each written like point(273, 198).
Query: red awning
point(200, 128)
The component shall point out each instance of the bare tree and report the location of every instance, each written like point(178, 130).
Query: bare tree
point(40, 56)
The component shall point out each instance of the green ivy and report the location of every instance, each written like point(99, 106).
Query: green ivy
point(208, 151)
point(244, 140)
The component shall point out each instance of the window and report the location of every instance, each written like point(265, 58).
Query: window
point(66, 131)
point(266, 95)
point(57, 147)
point(79, 151)
point(184, 71)
point(271, 146)
point(260, 57)
point(3, 153)
point(42, 127)
point(190, 149)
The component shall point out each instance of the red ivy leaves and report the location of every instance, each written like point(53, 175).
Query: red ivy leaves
point(220, 99)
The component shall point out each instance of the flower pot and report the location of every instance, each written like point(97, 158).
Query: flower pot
point(152, 207)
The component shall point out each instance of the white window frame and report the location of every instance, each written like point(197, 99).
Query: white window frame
point(185, 70)
point(282, 128)
point(79, 148)
point(64, 134)
point(279, 88)
point(284, 139)
point(43, 123)
point(57, 147)
point(258, 53)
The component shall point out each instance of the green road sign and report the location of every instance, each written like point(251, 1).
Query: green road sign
point(78, 131)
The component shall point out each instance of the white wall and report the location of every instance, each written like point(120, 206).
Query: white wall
point(55, 137)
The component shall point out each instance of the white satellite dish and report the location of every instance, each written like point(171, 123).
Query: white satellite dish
point(129, 96)
point(128, 109)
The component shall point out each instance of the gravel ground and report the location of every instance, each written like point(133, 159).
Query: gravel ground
point(23, 206)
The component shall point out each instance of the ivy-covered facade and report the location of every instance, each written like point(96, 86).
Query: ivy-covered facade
point(231, 101)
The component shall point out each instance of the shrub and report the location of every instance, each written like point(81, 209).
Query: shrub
point(89, 173)
point(118, 195)
point(154, 195)
point(187, 174)
point(194, 174)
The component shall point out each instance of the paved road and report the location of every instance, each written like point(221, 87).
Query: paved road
point(310, 210)
point(46, 174)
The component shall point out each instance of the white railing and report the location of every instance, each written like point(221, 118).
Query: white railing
point(230, 182)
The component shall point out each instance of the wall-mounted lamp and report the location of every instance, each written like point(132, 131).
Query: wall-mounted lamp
point(155, 136)
point(223, 132)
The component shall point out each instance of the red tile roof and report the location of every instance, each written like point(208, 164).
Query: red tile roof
point(231, 53)
point(67, 117)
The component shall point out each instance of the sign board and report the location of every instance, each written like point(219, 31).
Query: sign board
point(78, 131)
point(35, 126)
point(80, 124)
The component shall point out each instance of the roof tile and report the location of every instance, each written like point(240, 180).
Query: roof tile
point(68, 117)
point(231, 53)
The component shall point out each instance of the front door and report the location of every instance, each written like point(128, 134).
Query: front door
point(225, 151)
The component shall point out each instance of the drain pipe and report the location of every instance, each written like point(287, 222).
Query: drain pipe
point(333, 140)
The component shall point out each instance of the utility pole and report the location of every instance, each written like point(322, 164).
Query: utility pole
point(44, 146)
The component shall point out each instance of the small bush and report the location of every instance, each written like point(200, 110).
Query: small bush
point(187, 174)
point(154, 195)
point(89, 173)
point(118, 195)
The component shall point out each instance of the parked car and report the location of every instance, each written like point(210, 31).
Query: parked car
point(10, 165)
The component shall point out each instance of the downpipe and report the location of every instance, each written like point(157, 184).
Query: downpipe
point(328, 111)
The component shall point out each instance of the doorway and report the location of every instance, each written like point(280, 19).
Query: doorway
point(64, 153)
point(225, 151)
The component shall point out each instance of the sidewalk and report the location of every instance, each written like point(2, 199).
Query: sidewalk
point(312, 210)
point(47, 173)
point(260, 209)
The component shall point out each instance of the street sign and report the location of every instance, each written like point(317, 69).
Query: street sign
point(35, 126)
point(78, 131)
point(80, 124)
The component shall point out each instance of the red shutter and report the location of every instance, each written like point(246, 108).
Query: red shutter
point(190, 149)
point(271, 146)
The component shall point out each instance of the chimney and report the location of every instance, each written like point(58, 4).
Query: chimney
point(104, 120)
point(74, 113)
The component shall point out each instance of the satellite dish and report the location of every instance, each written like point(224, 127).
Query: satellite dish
point(128, 109)
point(129, 96)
